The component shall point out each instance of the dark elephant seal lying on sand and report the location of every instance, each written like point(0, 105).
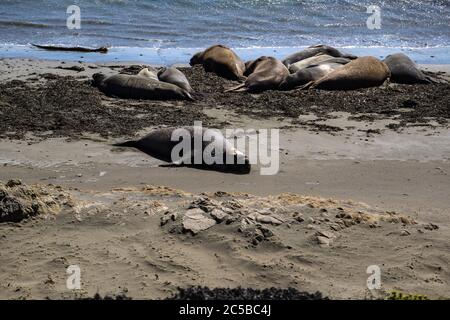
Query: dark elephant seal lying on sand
point(139, 87)
point(264, 73)
point(174, 76)
point(159, 145)
point(313, 51)
point(221, 60)
point(404, 70)
point(362, 72)
point(306, 75)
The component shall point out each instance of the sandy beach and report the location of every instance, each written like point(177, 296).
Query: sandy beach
point(364, 179)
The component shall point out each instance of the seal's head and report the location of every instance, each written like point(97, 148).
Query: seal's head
point(161, 71)
point(98, 79)
point(196, 59)
point(251, 65)
point(287, 84)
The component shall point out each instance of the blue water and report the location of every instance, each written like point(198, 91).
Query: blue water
point(166, 32)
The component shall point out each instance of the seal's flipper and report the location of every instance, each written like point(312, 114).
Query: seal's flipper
point(436, 80)
point(309, 85)
point(242, 79)
point(433, 77)
point(386, 83)
point(238, 88)
point(188, 96)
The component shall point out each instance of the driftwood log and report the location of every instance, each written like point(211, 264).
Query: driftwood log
point(78, 49)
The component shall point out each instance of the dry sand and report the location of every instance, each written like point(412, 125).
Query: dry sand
point(361, 195)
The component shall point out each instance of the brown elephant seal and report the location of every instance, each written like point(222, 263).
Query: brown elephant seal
point(264, 73)
point(159, 145)
point(306, 75)
point(321, 58)
point(404, 70)
point(139, 87)
point(222, 61)
point(313, 51)
point(362, 72)
point(174, 76)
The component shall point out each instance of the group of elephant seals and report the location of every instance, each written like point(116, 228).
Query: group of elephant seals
point(362, 72)
point(314, 51)
point(264, 73)
point(159, 145)
point(139, 87)
point(404, 70)
point(174, 76)
point(319, 67)
point(222, 61)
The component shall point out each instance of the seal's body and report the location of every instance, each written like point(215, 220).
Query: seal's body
point(264, 73)
point(404, 70)
point(139, 87)
point(174, 76)
point(306, 75)
point(159, 144)
point(362, 72)
point(313, 51)
point(222, 61)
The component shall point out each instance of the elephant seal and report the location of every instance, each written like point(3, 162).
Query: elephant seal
point(139, 87)
point(221, 60)
point(404, 70)
point(174, 76)
point(264, 73)
point(362, 72)
point(322, 58)
point(306, 75)
point(149, 73)
point(159, 145)
point(313, 51)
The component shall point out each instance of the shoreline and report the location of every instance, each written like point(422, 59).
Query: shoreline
point(181, 56)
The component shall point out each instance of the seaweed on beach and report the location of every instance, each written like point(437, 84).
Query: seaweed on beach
point(67, 107)
point(409, 104)
point(205, 293)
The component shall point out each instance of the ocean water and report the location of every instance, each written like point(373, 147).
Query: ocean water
point(169, 31)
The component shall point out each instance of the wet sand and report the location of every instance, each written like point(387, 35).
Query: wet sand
point(395, 161)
